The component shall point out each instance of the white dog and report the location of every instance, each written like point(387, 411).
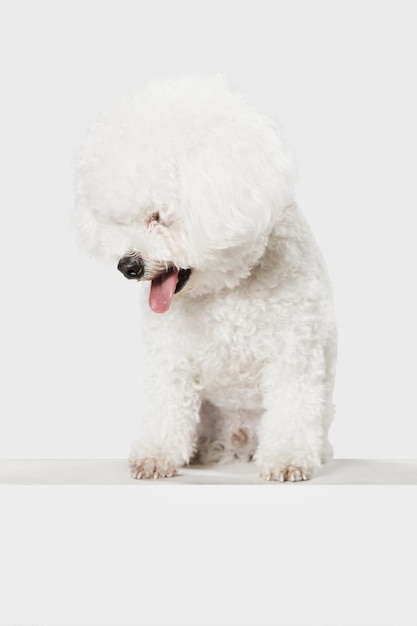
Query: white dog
point(186, 186)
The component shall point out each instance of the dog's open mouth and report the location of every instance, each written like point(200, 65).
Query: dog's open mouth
point(164, 286)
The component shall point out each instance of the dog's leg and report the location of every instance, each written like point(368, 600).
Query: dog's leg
point(330, 360)
point(293, 429)
point(168, 431)
point(225, 435)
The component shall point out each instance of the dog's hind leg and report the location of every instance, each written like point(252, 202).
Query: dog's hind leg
point(224, 435)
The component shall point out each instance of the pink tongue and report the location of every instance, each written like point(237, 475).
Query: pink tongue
point(162, 291)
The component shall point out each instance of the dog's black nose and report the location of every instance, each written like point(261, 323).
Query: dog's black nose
point(131, 267)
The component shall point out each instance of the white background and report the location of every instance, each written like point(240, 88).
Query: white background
point(340, 76)
point(204, 556)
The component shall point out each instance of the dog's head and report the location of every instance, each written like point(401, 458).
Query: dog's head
point(181, 184)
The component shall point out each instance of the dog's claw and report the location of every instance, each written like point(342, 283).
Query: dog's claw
point(151, 468)
point(291, 473)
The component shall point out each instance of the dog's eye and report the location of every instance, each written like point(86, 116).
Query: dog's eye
point(153, 218)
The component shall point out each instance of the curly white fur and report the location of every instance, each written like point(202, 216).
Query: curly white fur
point(187, 174)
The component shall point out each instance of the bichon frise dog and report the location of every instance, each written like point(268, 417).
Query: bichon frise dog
point(189, 190)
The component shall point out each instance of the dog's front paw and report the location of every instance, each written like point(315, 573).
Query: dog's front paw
point(293, 473)
point(152, 467)
point(286, 465)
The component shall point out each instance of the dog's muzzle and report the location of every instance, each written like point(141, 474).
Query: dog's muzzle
point(131, 267)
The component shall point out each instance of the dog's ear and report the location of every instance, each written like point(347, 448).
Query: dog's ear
point(233, 192)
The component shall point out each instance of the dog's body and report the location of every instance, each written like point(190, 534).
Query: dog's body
point(187, 186)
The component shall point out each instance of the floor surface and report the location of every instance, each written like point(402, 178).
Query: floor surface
point(115, 472)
